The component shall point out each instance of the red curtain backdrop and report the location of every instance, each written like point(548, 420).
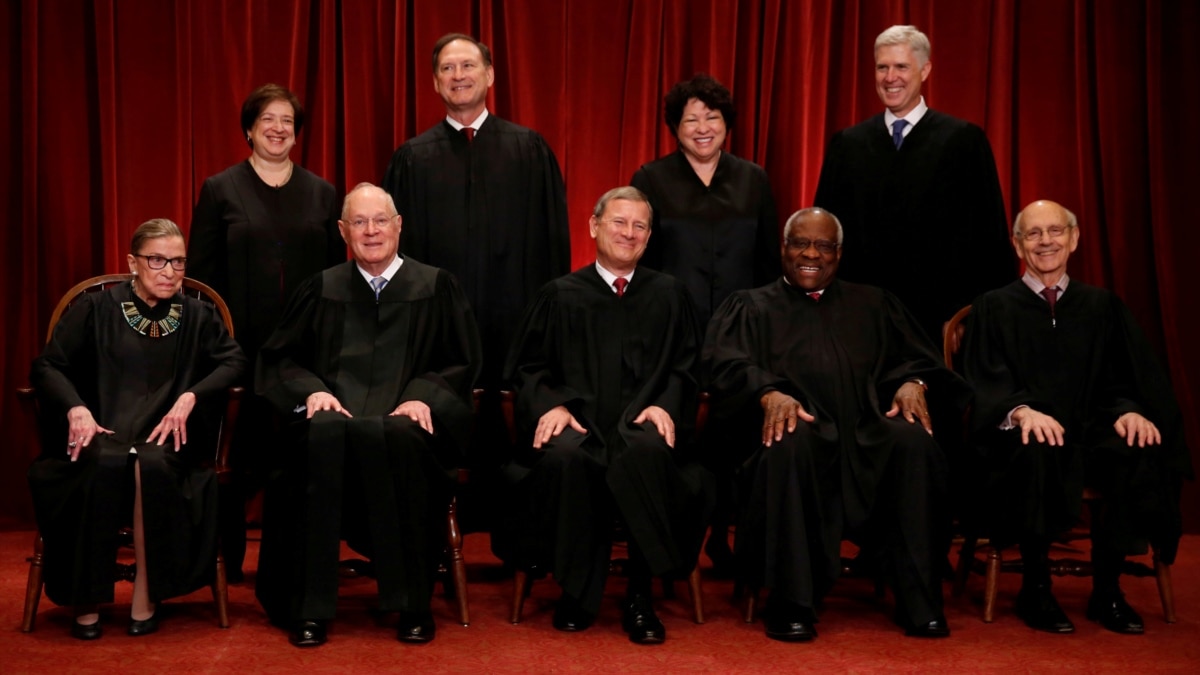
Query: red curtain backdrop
point(116, 111)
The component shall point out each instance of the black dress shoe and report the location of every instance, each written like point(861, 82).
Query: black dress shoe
point(1039, 610)
point(307, 634)
point(1115, 614)
point(138, 627)
point(91, 631)
point(416, 627)
point(642, 623)
point(938, 628)
point(570, 617)
point(787, 629)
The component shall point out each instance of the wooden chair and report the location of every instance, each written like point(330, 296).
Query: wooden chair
point(521, 581)
point(192, 288)
point(994, 563)
point(453, 568)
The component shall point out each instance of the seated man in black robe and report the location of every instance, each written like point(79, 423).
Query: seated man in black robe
point(835, 376)
point(1068, 394)
point(606, 397)
point(374, 361)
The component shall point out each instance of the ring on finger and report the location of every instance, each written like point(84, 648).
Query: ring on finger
point(72, 444)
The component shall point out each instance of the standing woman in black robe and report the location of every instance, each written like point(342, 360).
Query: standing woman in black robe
point(259, 228)
point(130, 388)
point(715, 229)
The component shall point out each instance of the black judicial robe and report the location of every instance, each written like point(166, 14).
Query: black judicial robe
point(376, 480)
point(606, 359)
point(925, 222)
point(255, 243)
point(1087, 369)
point(128, 382)
point(843, 358)
point(493, 212)
point(716, 238)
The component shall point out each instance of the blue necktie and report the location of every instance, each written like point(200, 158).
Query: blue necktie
point(898, 132)
point(377, 284)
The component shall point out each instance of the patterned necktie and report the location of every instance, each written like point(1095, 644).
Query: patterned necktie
point(469, 133)
point(377, 284)
point(620, 283)
point(898, 132)
point(1051, 295)
point(815, 296)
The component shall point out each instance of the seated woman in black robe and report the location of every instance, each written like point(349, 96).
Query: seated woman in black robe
point(130, 388)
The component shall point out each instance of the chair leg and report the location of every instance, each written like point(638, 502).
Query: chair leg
point(1166, 592)
point(33, 587)
point(520, 583)
point(966, 559)
point(990, 588)
point(751, 600)
point(697, 595)
point(220, 591)
point(458, 564)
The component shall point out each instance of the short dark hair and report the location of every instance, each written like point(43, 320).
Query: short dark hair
point(260, 98)
point(451, 37)
point(708, 90)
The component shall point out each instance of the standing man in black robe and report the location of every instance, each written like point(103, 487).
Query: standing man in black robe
point(373, 363)
point(835, 376)
point(914, 173)
point(477, 178)
point(606, 397)
point(1069, 394)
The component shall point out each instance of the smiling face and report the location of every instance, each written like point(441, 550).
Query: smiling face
point(898, 77)
point(1045, 240)
point(274, 132)
point(804, 264)
point(462, 79)
point(152, 285)
point(701, 131)
point(621, 233)
point(371, 228)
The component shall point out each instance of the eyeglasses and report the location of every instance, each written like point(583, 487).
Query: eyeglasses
point(157, 262)
point(1054, 232)
point(823, 246)
point(380, 222)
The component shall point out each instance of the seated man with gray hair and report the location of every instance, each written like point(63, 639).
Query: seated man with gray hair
point(835, 375)
point(1069, 394)
point(603, 367)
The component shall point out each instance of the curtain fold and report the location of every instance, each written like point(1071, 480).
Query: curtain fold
point(118, 110)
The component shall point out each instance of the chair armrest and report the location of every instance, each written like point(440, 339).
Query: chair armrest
point(507, 400)
point(232, 406)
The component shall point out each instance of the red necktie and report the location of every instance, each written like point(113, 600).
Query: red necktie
point(469, 133)
point(1051, 295)
point(620, 283)
point(815, 296)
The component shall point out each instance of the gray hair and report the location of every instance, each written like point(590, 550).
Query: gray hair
point(909, 36)
point(391, 203)
point(626, 192)
point(156, 228)
point(1072, 221)
point(812, 211)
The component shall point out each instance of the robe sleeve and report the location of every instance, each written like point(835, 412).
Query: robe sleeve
point(531, 363)
point(767, 240)
point(66, 358)
point(678, 395)
point(398, 181)
point(221, 351)
point(558, 230)
point(911, 355)
point(733, 358)
point(446, 388)
point(987, 254)
point(207, 241)
point(985, 365)
point(282, 375)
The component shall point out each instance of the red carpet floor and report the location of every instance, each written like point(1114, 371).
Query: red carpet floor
point(856, 634)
